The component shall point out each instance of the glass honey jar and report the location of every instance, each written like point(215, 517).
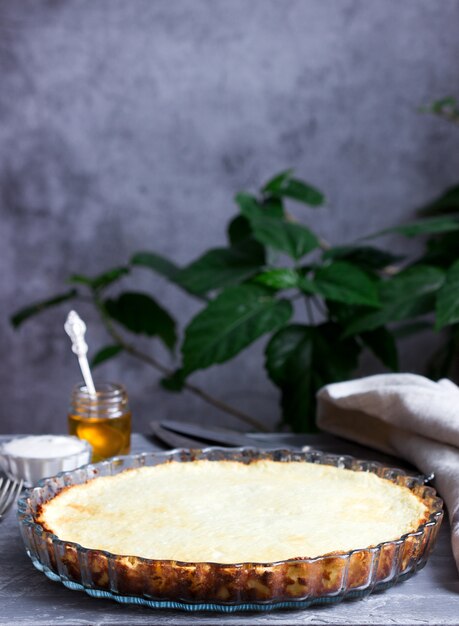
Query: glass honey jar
point(104, 420)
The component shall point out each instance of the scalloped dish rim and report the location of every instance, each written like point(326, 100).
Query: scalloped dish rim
point(63, 558)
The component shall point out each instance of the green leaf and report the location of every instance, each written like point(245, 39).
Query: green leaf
point(442, 250)
point(231, 322)
point(285, 186)
point(273, 207)
point(140, 314)
point(306, 285)
point(298, 400)
point(279, 278)
point(101, 280)
point(159, 264)
point(109, 277)
point(447, 306)
point(239, 230)
point(441, 362)
point(411, 328)
point(290, 365)
point(293, 239)
point(104, 354)
point(405, 295)
point(80, 279)
point(219, 268)
point(301, 359)
point(281, 347)
point(250, 206)
point(408, 294)
point(344, 313)
point(447, 108)
point(366, 257)
point(288, 237)
point(448, 103)
point(390, 312)
point(428, 226)
point(23, 314)
point(247, 203)
point(174, 382)
point(445, 204)
point(241, 240)
point(344, 282)
point(336, 358)
point(415, 281)
point(382, 343)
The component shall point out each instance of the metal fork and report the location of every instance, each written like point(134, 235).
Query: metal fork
point(9, 491)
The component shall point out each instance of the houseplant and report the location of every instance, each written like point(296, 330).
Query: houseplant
point(347, 297)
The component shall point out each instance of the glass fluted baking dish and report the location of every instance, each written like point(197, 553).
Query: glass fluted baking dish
point(292, 583)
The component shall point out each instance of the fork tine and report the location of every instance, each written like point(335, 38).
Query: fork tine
point(10, 497)
point(17, 490)
point(14, 490)
point(4, 491)
point(5, 496)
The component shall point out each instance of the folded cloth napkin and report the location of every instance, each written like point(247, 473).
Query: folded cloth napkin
point(405, 415)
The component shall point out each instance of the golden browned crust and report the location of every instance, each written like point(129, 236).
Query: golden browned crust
point(293, 579)
point(210, 582)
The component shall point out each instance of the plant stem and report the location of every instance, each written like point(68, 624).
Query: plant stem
point(310, 312)
point(319, 306)
point(147, 358)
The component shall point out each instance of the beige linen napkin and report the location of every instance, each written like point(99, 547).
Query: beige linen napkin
point(405, 415)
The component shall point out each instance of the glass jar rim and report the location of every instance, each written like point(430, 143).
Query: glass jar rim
point(104, 390)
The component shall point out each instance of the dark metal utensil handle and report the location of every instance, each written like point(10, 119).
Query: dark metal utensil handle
point(211, 434)
point(173, 440)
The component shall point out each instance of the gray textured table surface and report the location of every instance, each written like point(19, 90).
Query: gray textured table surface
point(28, 597)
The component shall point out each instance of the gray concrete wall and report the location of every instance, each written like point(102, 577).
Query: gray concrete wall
point(130, 125)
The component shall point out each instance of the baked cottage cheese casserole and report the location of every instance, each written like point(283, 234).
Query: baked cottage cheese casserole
point(232, 527)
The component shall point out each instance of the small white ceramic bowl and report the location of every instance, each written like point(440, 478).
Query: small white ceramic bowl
point(33, 457)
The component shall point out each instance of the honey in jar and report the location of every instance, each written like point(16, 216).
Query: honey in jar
point(104, 420)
